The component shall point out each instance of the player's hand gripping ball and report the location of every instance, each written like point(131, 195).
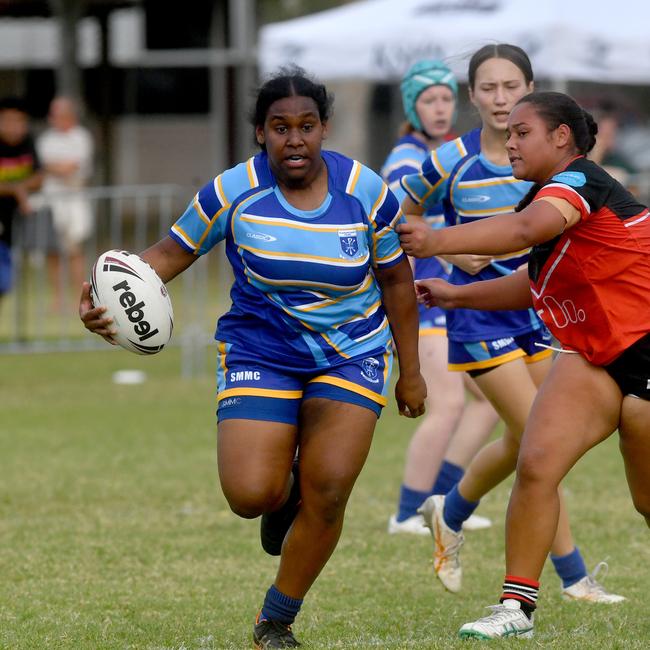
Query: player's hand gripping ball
point(135, 298)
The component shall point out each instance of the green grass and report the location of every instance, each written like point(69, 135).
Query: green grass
point(114, 533)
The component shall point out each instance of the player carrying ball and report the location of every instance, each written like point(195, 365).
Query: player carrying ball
point(321, 290)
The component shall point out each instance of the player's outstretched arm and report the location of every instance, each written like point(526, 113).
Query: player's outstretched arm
point(504, 233)
point(510, 292)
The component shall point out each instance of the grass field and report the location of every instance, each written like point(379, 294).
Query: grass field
point(114, 534)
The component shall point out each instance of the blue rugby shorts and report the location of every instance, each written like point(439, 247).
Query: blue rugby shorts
point(484, 355)
point(251, 388)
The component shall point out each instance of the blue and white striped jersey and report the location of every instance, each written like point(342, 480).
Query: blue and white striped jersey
point(428, 186)
point(406, 158)
point(304, 292)
point(471, 188)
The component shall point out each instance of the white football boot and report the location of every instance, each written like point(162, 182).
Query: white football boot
point(506, 619)
point(590, 590)
point(447, 543)
point(412, 525)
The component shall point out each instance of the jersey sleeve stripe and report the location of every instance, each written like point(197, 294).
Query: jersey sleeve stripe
point(563, 191)
point(461, 147)
point(407, 146)
point(410, 163)
point(410, 191)
point(187, 240)
point(353, 178)
point(643, 217)
point(214, 220)
point(438, 166)
point(218, 189)
point(199, 210)
point(378, 203)
point(389, 227)
point(459, 172)
point(383, 261)
point(252, 174)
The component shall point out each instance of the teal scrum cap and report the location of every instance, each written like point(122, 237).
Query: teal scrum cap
point(419, 77)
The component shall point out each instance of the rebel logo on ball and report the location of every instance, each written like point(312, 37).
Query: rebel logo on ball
point(134, 311)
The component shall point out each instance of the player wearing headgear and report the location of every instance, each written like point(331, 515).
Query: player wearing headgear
point(505, 351)
point(429, 95)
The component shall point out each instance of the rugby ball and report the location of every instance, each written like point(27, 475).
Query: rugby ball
point(135, 298)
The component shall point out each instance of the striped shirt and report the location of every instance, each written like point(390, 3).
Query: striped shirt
point(304, 292)
point(471, 188)
point(405, 159)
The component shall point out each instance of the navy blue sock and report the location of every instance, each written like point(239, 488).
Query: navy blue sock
point(409, 502)
point(457, 509)
point(280, 607)
point(571, 567)
point(448, 476)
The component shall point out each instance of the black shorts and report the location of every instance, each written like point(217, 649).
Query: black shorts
point(631, 371)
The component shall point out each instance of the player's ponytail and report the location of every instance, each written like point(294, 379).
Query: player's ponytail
point(592, 131)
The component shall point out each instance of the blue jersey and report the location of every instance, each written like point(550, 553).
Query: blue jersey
point(474, 188)
point(406, 158)
point(428, 186)
point(304, 292)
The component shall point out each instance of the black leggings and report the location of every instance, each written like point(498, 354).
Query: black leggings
point(631, 370)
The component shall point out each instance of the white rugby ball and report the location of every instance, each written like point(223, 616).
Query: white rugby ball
point(135, 298)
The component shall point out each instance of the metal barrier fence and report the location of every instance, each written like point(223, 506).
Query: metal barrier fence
point(128, 218)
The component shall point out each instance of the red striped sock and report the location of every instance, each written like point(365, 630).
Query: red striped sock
point(524, 590)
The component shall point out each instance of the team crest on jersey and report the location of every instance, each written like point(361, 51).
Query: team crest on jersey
point(369, 368)
point(349, 242)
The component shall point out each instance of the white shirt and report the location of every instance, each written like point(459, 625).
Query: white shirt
point(74, 145)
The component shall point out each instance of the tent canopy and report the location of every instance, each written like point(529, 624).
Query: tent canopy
point(377, 40)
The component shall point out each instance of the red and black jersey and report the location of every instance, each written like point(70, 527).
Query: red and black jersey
point(591, 284)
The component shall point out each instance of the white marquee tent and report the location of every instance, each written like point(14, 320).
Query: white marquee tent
point(588, 40)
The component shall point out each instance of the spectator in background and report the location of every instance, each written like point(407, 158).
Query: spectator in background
point(66, 151)
point(606, 152)
point(19, 176)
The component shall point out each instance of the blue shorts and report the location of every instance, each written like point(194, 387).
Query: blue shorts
point(432, 321)
point(251, 388)
point(484, 355)
point(6, 269)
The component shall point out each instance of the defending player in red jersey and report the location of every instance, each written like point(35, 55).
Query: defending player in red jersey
point(589, 280)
